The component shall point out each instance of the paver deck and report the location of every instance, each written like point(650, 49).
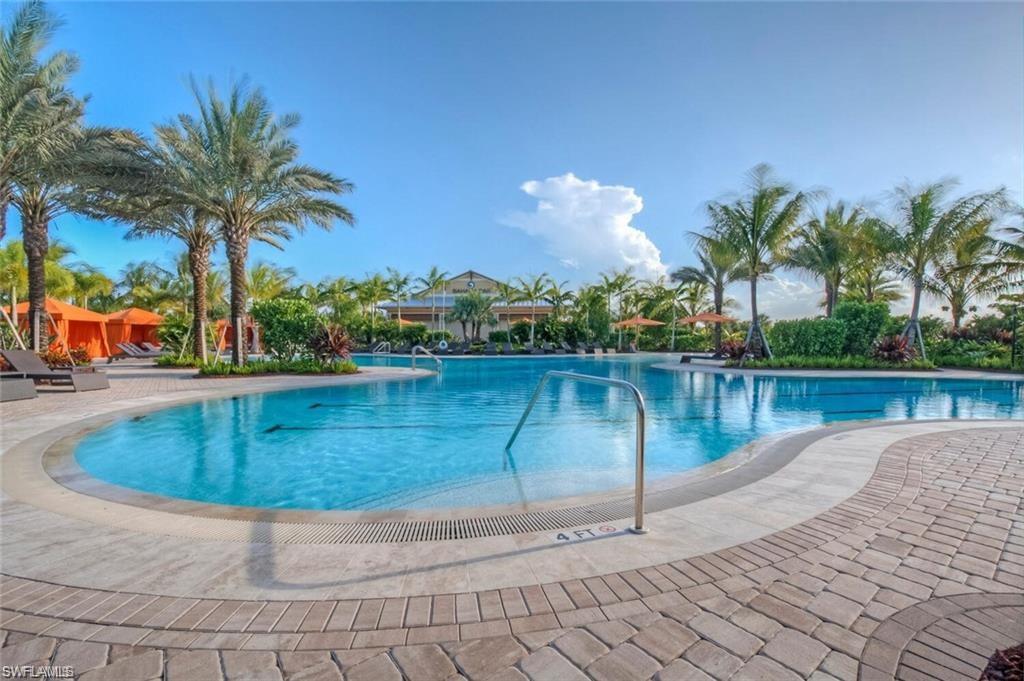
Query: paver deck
point(919, 574)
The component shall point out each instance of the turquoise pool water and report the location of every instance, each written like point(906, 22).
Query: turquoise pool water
point(439, 442)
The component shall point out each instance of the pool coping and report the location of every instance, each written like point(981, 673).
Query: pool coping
point(941, 374)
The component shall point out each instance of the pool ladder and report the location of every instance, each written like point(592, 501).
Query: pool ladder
point(422, 350)
point(382, 348)
point(641, 419)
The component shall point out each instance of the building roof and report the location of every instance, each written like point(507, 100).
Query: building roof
point(61, 310)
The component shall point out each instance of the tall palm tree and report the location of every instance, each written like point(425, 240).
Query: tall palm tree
point(826, 248)
point(924, 230)
point(617, 284)
point(559, 297)
point(758, 227)
point(248, 179)
point(431, 283)
point(534, 288)
point(147, 285)
point(266, 281)
point(398, 286)
point(37, 113)
point(964, 273)
point(371, 291)
point(720, 265)
point(509, 293)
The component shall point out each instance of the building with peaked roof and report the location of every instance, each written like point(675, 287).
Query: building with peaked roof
point(430, 307)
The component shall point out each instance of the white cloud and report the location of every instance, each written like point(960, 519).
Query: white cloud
point(586, 225)
point(780, 298)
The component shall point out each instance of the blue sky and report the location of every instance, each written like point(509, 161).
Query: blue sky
point(441, 113)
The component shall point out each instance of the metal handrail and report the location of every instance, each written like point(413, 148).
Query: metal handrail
point(641, 418)
point(379, 348)
point(428, 353)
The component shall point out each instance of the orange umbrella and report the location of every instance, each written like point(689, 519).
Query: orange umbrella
point(707, 318)
point(638, 321)
point(404, 322)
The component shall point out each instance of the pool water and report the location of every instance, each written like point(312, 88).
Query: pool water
point(439, 442)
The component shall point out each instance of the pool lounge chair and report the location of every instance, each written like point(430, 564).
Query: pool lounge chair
point(548, 348)
point(631, 348)
point(16, 386)
point(491, 349)
point(531, 349)
point(566, 348)
point(28, 363)
point(132, 351)
point(580, 349)
point(610, 351)
point(149, 347)
point(507, 349)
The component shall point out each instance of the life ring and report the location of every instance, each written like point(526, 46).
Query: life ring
point(443, 345)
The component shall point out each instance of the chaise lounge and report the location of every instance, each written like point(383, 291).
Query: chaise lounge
point(15, 386)
point(28, 363)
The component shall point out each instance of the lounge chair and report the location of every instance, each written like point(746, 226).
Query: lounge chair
point(548, 348)
point(566, 348)
point(457, 349)
point(151, 348)
point(16, 386)
point(610, 351)
point(631, 348)
point(133, 351)
point(28, 363)
point(403, 349)
point(532, 349)
point(507, 349)
point(580, 349)
point(491, 349)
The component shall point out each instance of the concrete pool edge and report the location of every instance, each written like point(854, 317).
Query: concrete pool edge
point(937, 374)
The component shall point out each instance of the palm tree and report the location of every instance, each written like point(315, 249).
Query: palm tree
point(868, 278)
point(534, 288)
point(37, 113)
point(248, 179)
point(147, 285)
point(559, 298)
point(165, 217)
point(265, 281)
point(371, 291)
point(758, 227)
point(433, 281)
point(618, 284)
point(509, 293)
point(826, 248)
point(925, 228)
point(475, 309)
point(89, 283)
point(398, 286)
point(13, 274)
point(964, 273)
point(720, 265)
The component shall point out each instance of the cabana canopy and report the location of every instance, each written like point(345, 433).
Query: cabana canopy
point(133, 325)
point(74, 326)
point(707, 318)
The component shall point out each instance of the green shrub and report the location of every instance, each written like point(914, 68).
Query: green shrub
point(187, 360)
point(413, 334)
point(864, 323)
point(849, 362)
point(808, 337)
point(931, 327)
point(498, 337)
point(520, 332)
point(550, 330)
point(278, 366)
point(174, 332)
point(287, 325)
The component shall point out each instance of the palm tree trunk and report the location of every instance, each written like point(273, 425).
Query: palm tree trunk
point(35, 237)
point(719, 305)
point(910, 331)
point(14, 305)
point(533, 318)
point(828, 299)
point(238, 254)
point(199, 267)
point(757, 345)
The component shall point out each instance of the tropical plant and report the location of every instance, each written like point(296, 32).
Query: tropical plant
point(808, 337)
point(37, 113)
point(864, 322)
point(964, 272)
point(13, 274)
point(329, 343)
point(758, 228)
point(617, 284)
point(559, 297)
point(894, 349)
point(533, 289)
point(826, 248)
point(475, 309)
point(509, 294)
point(398, 287)
point(248, 179)
point(287, 324)
point(923, 232)
point(719, 266)
point(265, 281)
point(370, 292)
point(432, 282)
point(90, 282)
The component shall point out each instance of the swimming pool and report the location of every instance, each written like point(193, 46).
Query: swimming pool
point(439, 442)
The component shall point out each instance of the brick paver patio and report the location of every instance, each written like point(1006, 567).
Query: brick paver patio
point(920, 575)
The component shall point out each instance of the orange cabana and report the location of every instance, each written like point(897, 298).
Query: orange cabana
point(226, 334)
point(73, 326)
point(133, 325)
